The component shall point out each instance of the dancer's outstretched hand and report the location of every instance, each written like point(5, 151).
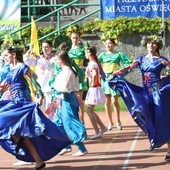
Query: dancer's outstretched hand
point(112, 77)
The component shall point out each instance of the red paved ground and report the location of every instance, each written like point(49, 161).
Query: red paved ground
point(116, 150)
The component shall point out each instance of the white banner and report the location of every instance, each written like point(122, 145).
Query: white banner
point(10, 16)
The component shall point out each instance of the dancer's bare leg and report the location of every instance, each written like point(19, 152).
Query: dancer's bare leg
point(81, 108)
point(108, 110)
point(116, 108)
point(99, 122)
point(31, 148)
point(92, 117)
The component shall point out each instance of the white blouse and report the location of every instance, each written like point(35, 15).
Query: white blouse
point(66, 81)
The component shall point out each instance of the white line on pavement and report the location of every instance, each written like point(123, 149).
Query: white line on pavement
point(125, 164)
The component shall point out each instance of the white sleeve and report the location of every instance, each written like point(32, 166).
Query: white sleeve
point(66, 82)
point(29, 61)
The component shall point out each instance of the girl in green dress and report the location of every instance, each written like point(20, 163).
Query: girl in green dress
point(111, 61)
point(77, 54)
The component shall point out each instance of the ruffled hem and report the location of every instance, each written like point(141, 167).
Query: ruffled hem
point(26, 120)
point(95, 96)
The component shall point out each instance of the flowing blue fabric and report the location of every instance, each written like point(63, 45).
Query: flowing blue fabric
point(67, 118)
point(26, 120)
point(22, 118)
point(149, 105)
point(138, 104)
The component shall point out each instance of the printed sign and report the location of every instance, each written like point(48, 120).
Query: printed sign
point(10, 16)
point(134, 8)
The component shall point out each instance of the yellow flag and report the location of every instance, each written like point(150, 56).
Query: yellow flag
point(34, 37)
point(34, 41)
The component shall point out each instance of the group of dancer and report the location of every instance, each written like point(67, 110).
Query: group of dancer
point(42, 108)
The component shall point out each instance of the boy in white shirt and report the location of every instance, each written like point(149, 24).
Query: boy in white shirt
point(44, 70)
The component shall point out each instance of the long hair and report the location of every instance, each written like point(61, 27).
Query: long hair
point(93, 52)
point(63, 55)
point(19, 55)
point(157, 51)
point(64, 46)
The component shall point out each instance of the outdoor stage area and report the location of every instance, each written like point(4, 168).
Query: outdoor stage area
point(116, 150)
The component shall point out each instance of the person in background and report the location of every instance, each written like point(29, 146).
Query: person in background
point(95, 94)
point(44, 70)
point(4, 67)
point(77, 54)
point(25, 131)
point(66, 116)
point(149, 105)
point(4, 70)
point(56, 69)
point(82, 8)
point(64, 46)
point(111, 62)
point(72, 8)
point(67, 9)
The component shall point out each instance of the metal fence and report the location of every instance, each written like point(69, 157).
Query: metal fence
point(43, 9)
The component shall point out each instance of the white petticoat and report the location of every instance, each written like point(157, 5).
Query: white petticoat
point(95, 96)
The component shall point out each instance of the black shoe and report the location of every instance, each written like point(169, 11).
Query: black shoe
point(151, 148)
point(167, 158)
point(43, 165)
point(18, 146)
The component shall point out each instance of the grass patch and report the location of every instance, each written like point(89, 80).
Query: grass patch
point(100, 108)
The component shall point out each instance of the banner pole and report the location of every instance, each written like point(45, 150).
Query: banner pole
point(163, 27)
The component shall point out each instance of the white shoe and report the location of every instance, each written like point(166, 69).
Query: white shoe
point(103, 131)
point(64, 151)
point(119, 126)
point(110, 127)
point(96, 136)
point(80, 153)
point(20, 163)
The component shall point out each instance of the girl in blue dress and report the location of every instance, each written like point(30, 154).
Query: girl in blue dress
point(149, 105)
point(24, 130)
